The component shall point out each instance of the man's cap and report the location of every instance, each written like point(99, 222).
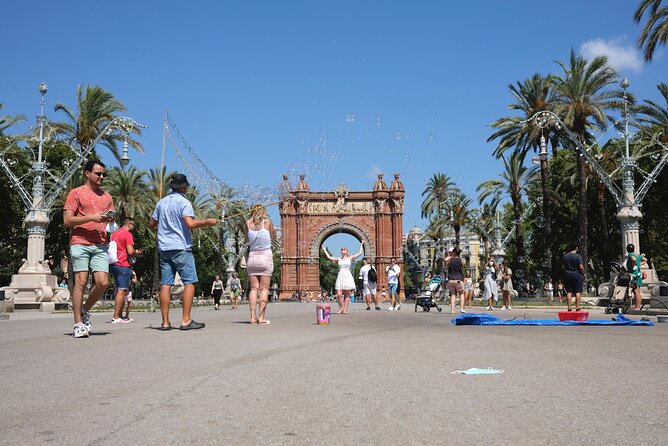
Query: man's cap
point(178, 180)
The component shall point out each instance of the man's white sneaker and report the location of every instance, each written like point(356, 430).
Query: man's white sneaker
point(120, 320)
point(390, 309)
point(80, 331)
point(509, 307)
point(397, 307)
point(85, 319)
point(462, 311)
point(504, 308)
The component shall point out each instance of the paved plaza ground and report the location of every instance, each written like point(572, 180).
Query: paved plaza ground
point(370, 377)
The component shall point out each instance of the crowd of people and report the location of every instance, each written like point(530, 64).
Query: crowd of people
point(98, 245)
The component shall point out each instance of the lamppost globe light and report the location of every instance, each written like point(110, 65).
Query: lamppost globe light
point(625, 83)
point(43, 88)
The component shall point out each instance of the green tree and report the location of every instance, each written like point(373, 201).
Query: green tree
point(584, 98)
point(512, 183)
point(7, 121)
point(96, 108)
point(655, 29)
point(531, 96)
point(130, 192)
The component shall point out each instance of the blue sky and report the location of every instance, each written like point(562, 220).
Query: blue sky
point(255, 86)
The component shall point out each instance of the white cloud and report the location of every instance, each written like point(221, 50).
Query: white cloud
point(620, 53)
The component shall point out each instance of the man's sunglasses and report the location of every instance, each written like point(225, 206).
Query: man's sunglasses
point(101, 174)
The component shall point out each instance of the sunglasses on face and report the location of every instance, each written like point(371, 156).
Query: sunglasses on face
point(101, 174)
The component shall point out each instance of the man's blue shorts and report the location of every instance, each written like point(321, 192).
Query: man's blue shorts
point(122, 276)
point(573, 282)
point(180, 261)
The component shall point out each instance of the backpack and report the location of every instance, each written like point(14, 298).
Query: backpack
point(373, 277)
point(112, 252)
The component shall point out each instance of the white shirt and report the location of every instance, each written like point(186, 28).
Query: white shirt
point(392, 273)
point(364, 272)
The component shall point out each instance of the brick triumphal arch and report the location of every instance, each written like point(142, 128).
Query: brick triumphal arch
point(308, 218)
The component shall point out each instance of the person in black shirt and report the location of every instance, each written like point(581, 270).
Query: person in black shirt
point(455, 270)
point(574, 276)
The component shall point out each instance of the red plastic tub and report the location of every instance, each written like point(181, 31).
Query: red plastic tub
point(579, 316)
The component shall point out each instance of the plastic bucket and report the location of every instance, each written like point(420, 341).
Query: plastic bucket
point(322, 314)
point(579, 316)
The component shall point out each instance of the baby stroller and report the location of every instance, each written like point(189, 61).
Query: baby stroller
point(621, 294)
point(427, 297)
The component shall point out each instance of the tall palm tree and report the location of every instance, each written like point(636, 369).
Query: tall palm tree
point(96, 108)
point(513, 183)
point(531, 96)
point(130, 192)
point(439, 186)
point(584, 98)
point(655, 29)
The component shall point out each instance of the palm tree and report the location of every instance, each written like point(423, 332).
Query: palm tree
point(655, 30)
point(96, 108)
point(513, 182)
point(7, 121)
point(459, 213)
point(531, 96)
point(130, 192)
point(584, 98)
point(437, 190)
point(655, 115)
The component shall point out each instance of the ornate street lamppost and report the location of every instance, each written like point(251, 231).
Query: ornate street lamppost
point(34, 282)
point(628, 199)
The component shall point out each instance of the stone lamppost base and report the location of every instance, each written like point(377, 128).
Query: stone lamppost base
point(34, 291)
point(654, 292)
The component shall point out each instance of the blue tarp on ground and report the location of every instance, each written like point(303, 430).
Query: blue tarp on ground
point(488, 319)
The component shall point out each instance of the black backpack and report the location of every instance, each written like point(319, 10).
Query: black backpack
point(373, 277)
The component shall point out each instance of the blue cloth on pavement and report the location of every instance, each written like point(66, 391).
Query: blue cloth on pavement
point(488, 319)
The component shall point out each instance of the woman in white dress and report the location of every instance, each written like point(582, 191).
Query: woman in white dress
point(491, 288)
point(345, 283)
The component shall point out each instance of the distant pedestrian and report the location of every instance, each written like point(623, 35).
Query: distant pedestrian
point(560, 290)
point(235, 290)
point(87, 211)
point(122, 269)
point(393, 271)
point(216, 291)
point(491, 293)
point(507, 285)
point(260, 265)
point(455, 268)
point(174, 218)
point(633, 266)
point(549, 291)
point(574, 275)
point(345, 283)
point(468, 290)
point(369, 280)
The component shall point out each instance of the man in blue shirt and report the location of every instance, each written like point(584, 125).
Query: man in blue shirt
point(174, 218)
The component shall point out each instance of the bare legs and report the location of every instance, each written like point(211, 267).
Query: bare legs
point(259, 289)
point(577, 301)
point(101, 281)
point(119, 302)
point(507, 299)
point(339, 300)
point(343, 299)
point(637, 297)
point(186, 301)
